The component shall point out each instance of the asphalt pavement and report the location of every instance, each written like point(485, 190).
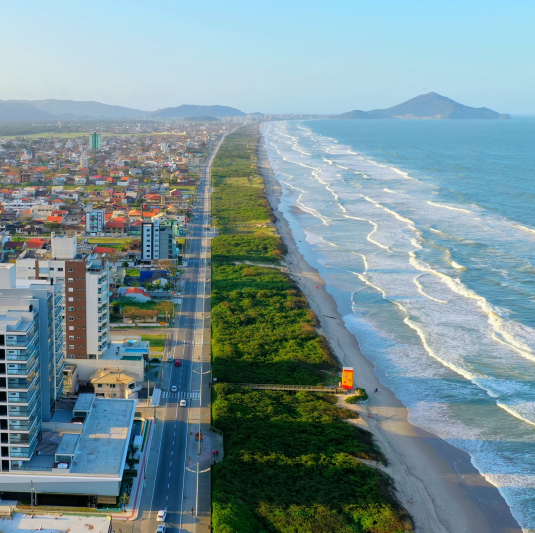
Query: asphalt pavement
point(177, 476)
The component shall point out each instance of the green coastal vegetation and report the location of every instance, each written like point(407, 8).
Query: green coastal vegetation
point(293, 462)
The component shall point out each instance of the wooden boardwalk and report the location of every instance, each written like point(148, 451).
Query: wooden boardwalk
point(294, 388)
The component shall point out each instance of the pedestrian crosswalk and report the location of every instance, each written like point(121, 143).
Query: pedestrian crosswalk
point(181, 395)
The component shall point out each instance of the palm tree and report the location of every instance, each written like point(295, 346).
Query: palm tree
point(124, 500)
point(158, 284)
point(167, 287)
point(133, 449)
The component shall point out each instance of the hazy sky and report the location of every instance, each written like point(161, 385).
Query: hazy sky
point(325, 56)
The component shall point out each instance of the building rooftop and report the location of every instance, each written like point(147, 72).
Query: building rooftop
point(103, 444)
point(67, 444)
point(23, 523)
point(84, 402)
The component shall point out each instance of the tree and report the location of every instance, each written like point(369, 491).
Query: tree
point(125, 264)
point(124, 500)
point(133, 449)
point(158, 285)
point(53, 225)
point(167, 287)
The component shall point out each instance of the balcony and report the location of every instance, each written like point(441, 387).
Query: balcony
point(136, 388)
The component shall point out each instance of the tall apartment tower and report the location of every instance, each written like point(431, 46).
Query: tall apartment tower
point(95, 221)
point(31, 363)
point(85, 279)
point(158, 240)
point(95, 141)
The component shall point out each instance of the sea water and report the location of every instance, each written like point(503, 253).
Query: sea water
point(424, 232)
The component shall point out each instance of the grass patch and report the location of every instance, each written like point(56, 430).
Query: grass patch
point(360, 396)
point(155, 340)
point(133, 272)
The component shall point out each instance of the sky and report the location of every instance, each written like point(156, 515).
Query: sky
point(281, 56)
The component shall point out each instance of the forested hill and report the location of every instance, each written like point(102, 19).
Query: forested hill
point(430, 106)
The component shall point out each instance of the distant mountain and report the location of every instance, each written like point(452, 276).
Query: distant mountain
point(431, 105)
point(21, 111)
point(71, 109)
point(186, 111)
point(202, 119)
point(74, 109)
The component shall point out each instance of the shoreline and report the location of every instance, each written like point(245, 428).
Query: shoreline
point(448, 494)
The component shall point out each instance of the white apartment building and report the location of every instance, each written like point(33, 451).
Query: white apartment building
point(85, 280)
point(95, 220)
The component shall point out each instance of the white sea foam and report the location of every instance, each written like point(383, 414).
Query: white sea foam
point(451, 208)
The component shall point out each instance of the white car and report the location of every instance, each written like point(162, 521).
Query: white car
point(174, 388)
point(161, 529)
point(183, 403)
point(161, 516)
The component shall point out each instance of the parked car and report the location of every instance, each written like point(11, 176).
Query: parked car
point(178, 362)
point(161, 515)
point(161, 529)
point(174, 388)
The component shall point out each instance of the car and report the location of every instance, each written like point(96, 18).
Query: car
point(178, 362)
point(174, 388)
point(161, 515)
point(183, 403)
point(161, 529)
point(169, 360)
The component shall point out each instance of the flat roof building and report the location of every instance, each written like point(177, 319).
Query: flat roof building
point(83, 459)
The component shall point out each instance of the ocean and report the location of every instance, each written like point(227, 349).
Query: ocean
point(424, 232)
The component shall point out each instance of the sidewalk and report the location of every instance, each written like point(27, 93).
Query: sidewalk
point(132, 507)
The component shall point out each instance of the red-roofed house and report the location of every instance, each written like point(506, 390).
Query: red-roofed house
point(138, 294)
point(115, 228)
point(37, 244)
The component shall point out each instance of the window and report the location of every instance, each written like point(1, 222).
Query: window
point(100, 384)
point(70, 269)
point(70, 279)
point(60, 269)
point(71, 328)
point(71, 308)
point(71, 346)
point(71, 299)
point(71, 289)
point(71, 319)
point(71, 337)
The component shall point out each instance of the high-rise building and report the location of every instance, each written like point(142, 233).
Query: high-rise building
point(95, 220)
point(95, 141)
point(84, 161)
point(158, 239)
point(31, 359)
point(85, 279)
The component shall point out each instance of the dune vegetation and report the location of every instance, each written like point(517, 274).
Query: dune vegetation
point(293, 462)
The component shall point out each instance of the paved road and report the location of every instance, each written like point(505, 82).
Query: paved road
point(170, 479)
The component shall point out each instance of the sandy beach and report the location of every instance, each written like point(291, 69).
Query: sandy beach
point(435, 481)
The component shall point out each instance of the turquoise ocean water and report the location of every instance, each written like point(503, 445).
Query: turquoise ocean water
point(424, 232)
